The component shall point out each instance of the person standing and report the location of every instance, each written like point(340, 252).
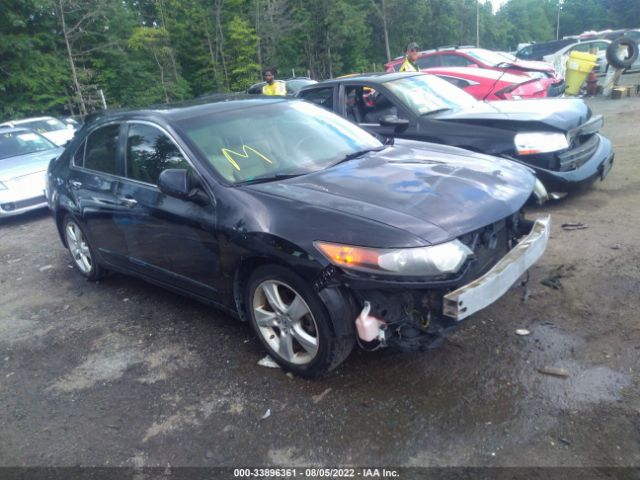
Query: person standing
point(273, 86)
point(410, 57)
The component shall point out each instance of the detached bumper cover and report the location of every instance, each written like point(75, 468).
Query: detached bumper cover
point(485, 290)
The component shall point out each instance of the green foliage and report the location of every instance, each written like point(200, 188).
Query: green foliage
point(140, 52)
point(241, 41)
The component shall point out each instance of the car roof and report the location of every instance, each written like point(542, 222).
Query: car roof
point(8, 129)
point(27, 120)
point(376, 77)
point(203, 105)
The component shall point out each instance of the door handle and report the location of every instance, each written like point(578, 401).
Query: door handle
point(75, 184)
point(129, 201)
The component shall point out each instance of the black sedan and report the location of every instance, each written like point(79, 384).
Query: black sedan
point(296, 220)
point(558, 138)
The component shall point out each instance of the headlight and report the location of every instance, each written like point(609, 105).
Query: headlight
point(540, 142)
point(3, 186)
point(423, 261)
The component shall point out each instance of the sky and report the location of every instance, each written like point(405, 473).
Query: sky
point(497, 4)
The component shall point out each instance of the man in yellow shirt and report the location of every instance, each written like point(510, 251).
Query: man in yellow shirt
point(273, 86)
point(409, 64)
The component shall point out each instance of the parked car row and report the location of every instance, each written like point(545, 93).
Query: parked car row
point(379, 210)
point(482, 59)
point(557, 138)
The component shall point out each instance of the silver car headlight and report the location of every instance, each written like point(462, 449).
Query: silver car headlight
point(420, 261)
point(540, 142)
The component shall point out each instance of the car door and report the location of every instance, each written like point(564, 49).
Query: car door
point(168, 238)
point(367, 104)
point(93, 184)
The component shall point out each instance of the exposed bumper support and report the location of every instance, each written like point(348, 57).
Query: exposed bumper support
point(485, 290)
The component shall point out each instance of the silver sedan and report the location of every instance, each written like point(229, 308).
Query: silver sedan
point(24, 157)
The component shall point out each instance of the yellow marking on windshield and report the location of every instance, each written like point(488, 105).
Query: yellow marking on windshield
point(229, 154)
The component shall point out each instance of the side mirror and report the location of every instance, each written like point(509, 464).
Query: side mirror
point(176, 182)
point(400, 124)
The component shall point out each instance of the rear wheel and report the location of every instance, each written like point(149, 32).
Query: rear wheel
point(81, 252)
point(292, 323)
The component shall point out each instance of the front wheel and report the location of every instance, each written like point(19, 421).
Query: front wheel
point(293, 324)
point(81, 252)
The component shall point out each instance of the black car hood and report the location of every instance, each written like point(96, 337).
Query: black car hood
point(554, 114)
point(434, 193)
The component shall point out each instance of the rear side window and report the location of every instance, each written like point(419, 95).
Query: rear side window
point(102, 149)
point(320, 96)
point(458, 82)
point(428, 62)
point(78, 158)
point(149, 152)
point(455, 61)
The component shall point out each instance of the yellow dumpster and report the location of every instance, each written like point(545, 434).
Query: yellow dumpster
point(579, 65)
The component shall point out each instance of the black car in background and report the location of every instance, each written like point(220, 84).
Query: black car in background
point(294, 219)
point(558, 138)
point(292, 84)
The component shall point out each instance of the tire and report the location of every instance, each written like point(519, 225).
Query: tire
point(82, 254)
point(293, 323)
point(612, 53)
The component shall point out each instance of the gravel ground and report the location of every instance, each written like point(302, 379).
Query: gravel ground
point(123, 373)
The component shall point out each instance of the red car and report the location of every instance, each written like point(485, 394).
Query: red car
point(481, 58)
point(485, 84)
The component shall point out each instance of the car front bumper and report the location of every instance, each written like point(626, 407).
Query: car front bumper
point(485, 290)
point(23, 194)
point(596, 167)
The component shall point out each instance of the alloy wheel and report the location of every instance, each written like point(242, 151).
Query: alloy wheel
point(79, 248)
point(285, 322)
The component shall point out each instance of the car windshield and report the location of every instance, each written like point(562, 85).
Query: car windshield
point(22, 143)
point(43, 125)
point(425, 94)
point(488, 57)
point(275, 140)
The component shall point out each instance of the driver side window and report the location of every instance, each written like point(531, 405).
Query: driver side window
point(367, 105)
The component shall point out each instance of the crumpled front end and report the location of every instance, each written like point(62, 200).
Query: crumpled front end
point(413, 314)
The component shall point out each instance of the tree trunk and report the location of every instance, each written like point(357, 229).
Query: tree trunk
point(386, 31)
point(164, 88)
point(220, 42)
point(258, 46)
point(214, 60)
point(74, 74)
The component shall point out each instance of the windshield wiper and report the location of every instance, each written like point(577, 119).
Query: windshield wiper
point(269, 178)
point(358, 154)
point(438, 110)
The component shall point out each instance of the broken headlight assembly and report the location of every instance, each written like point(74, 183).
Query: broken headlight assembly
point(419, 261)
point(540, 142)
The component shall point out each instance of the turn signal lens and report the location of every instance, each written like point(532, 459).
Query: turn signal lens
point(349, 256)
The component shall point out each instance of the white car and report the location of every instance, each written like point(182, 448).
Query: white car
point(596, 46)
point(49, 127)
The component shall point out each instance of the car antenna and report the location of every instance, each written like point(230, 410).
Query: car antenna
point(494, 85)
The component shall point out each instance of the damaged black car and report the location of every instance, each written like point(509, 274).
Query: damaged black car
point(291, 218)
point(558, 138)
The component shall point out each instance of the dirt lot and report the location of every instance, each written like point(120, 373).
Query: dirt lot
point(123, 373)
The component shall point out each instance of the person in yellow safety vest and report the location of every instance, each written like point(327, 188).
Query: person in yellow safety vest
point(409, 64)
point(273, 86)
